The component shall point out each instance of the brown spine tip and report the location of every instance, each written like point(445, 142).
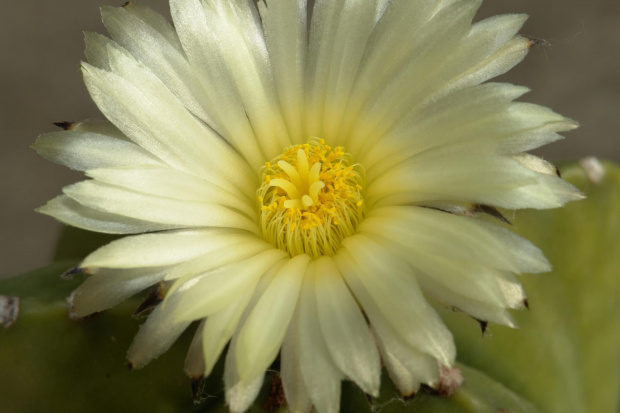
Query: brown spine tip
point(153, 298)
point(533, 41)
point(127, 3)
point(526, 304)
point(492, 211)
point(68, 275)
point(483, 326)
point(130, 365)
point(196, 382)
point(65, 125)
point(557, 172)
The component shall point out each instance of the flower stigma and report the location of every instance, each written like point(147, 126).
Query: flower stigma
point(310, 199)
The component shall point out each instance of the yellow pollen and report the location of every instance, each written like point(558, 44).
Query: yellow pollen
point(310, 199)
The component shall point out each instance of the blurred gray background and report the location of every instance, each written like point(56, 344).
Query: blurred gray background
point(577, 74)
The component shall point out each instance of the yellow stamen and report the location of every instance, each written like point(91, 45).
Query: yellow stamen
point(310, 199)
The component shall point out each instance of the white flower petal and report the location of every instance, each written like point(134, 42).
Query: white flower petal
point(513, 291)
point(297, 396)
point(170, 183)
point(345, 331)
point(220, 327)
point(154, 20)
point(320, 374)
point(194, 361)
point(201, 48)
point(195, 297)
point(229, 250)
point(437, 260)
point(474, 60)
point(85, 150)
point(239, 393)
point(382, 278)
point(392, 93)
point(241, 44)
point(154, 250)
point(458, 237)
point(98, 126)
point(285, 26)
point(155, 337)
point(338, 35)
point(138, 103)
point(75, 214)
point(478, 178)
point(262, 334)
point(482, 116)
point(408, 366)
point(354, 23)
point(108, 287)
point(157, 46)
point(157, 209)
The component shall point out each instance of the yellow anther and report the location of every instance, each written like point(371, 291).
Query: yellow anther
point(314, 197)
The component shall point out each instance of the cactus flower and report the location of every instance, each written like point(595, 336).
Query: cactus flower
point(305, 188)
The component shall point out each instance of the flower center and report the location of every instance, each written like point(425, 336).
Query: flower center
point(310, 199)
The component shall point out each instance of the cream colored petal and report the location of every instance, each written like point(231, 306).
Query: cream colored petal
point(240, 42)
point(320, 374)
point(481, 116)
point(170, 183)
point(154, 250)
point(355, 22)
point(472, 177)
point(195, 361)
point(377, 275)
point(338, 36)
point(157, 46)
point(403, 19)
point(154, 20)
point(99, 127)
point(138, 103)
point(408, 366)
point(375, 108)
point(195, 297)
point(262, 334)
point(438, 260)
point(478, 307)
point(462, 238)
point(85, 150)
point(109, 287)
point(513, 291)
point(240, 394)
point(157, 209)
point(75, 214)
point(220, 327)
point(232, 249)
point(285, 26)
point(201, 49)
point(528, 257)
point(295, 391)
point(345, 331)
point(488, 50)
point(321, 41)
point(155, 337)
